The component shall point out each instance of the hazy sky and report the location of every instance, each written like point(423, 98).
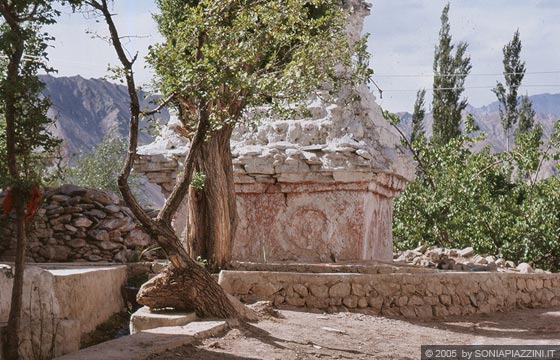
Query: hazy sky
point(403, 36)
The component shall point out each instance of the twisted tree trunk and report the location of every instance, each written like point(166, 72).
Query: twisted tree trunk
point(212, 214)
point(191, 283)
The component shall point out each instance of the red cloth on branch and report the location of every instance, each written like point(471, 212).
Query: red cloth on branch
point(8, 203)
point(33, 202)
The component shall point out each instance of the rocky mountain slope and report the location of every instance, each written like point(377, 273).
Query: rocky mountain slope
point(85, 110)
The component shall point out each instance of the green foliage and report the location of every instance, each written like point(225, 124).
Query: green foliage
point(491, 201)
point(526, 116)
point(23, 48)
point(514, 71)
point(418, 116)
point(198, 180)
point(450, 72)
point(99, 168)
point(225, 56)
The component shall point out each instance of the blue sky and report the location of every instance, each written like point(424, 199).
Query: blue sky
point(403, 36)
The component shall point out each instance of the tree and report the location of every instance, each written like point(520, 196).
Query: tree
point(218, 59)
point(23, 122)
point(418, 116)
point(98, 168)
point(199, 80)
point(514, 71)
point(450, 72)
point(489, 200)
point(526, 118)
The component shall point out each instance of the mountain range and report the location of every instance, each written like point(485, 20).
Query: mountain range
point(85, 110)
point(487, 118)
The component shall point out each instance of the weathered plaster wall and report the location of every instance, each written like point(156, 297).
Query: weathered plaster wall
point(62, 304)
point(422, 295)
point(310, 222)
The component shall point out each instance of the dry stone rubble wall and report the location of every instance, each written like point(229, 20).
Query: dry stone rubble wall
point(78, 224)
point(419, 295)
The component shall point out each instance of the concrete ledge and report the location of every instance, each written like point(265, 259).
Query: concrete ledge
point(358, 267)
point(420, 295)
point(144, 319)
point(144, 344)
point(62, 302)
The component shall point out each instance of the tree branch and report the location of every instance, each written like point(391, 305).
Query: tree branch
point(160, 106)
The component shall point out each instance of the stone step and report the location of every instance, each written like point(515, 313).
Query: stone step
point(142, 345)
point(144, 319)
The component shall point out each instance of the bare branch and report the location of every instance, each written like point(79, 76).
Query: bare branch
point(160, 106)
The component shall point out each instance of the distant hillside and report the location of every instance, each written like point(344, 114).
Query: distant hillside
point(546, 106)
point(85, 110)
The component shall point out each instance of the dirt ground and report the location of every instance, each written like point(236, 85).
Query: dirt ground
point(299, 335)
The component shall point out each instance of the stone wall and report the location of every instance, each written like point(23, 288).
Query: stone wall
point(422, 295)
point(78, 224)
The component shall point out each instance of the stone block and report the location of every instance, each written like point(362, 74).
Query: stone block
point(144, 319)
point(316, 302)
point(301, 290)
point(358, 289)
point(407, 311)
point(295, 301)
point(350, 301)
point(467, 252)
point(264, 291)
point(341, 290)
point(319, 291)
point(99, 235)
point(138, 238)
point(375, 303)
point(402, 301)
point(415, 300)
point(424, 311)
point(82, 222)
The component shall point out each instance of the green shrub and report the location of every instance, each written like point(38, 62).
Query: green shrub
point(490, 201)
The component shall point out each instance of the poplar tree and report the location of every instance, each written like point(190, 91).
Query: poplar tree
point(450, 71)
point(526, 117)
point(418, 116)
point(514, 71)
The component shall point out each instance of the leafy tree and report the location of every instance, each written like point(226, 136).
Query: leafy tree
point(219, 58)
point(450, 72)
point(418, 116)
point(23, 125)
point(100, 167)
point(526, 117)
point(467, 198)
point(514, 71)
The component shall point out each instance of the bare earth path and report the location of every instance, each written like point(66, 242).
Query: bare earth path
point(299, 335)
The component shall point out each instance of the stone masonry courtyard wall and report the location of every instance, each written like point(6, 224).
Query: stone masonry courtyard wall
point(414, 295)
